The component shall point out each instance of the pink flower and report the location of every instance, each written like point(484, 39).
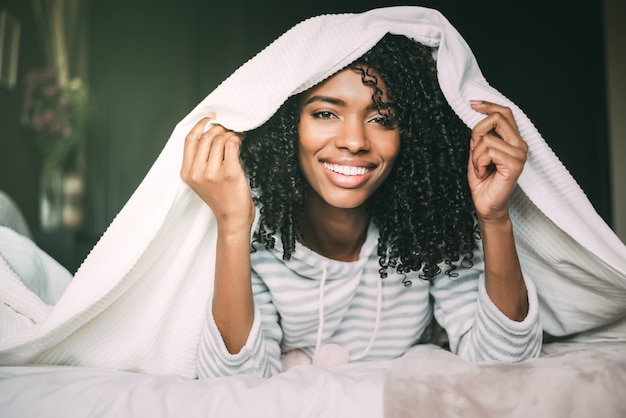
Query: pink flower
point(54, 112)
point(51, 91)
point(55, 127)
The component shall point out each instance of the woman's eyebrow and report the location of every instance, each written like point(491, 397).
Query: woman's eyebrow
point(340, 102)
point(327, 99)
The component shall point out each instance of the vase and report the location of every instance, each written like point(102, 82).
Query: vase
point(72, 205)
point(50, 198)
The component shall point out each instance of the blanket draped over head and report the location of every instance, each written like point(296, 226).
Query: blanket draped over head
point(138, 301)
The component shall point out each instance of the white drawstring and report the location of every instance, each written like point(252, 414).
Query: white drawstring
point(320, 314)
point(320, 327)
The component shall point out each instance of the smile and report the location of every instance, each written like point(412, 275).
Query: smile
point(347, 170)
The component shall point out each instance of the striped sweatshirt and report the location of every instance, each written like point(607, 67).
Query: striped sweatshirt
point(311, 298)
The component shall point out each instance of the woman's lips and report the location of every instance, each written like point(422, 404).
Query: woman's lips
point(347, 176)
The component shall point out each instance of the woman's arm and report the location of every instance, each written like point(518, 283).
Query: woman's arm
point(497, 157)
point(503, 275)
point(476, 328)
point(212, 169)
point(260, 356)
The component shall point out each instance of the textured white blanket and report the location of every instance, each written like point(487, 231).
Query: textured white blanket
point(138, 301)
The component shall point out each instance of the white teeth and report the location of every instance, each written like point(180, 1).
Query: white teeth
point(346, 170)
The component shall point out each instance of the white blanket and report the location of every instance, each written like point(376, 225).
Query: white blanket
point(138, 301)
point(349, 390)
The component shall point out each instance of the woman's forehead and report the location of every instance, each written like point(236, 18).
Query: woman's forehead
point(346, 83)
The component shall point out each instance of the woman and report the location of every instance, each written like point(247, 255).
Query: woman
point(366, 184)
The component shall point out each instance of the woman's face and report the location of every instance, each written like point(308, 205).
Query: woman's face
point(347, 148)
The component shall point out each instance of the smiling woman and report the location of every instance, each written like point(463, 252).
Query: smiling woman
point(173, 287)
point(361, 178)
point(347, 148)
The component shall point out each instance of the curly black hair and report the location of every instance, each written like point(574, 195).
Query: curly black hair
point(424, 210)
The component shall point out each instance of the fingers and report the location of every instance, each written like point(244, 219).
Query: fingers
point(189, 150)
point(496, 143)
point(488, 108)
point(508, 162)
point(223, 147)
point(191, 145)
point(231, 153)
point(205, 152)
point(499, 121)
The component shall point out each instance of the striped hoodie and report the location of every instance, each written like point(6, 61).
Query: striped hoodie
point(312, 300)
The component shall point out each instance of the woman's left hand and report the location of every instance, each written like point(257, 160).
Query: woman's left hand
point(497, 157)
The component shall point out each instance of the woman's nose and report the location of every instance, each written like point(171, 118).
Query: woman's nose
point(353, 137)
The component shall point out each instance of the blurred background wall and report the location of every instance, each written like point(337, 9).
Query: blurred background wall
point(151, 62)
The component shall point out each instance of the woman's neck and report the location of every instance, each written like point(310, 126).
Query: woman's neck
point(335, 233)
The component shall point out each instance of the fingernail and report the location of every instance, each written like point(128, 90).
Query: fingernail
point(477, 103)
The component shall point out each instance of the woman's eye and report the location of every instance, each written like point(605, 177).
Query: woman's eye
point(388, 123)
point(323, 114)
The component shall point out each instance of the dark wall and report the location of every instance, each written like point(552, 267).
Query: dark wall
point(153, 61)
point(19, 166)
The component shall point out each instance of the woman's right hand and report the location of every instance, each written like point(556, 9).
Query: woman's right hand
point(211, 167)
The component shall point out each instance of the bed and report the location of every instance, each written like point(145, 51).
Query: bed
point(571, 379)
point(582, 379)
point(103, 346)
